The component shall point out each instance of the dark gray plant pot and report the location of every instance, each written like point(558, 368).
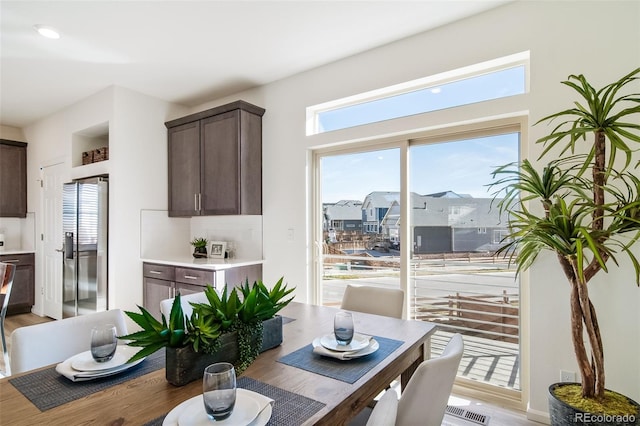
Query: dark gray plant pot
point(199, 252)
point(184, 365)
point(562, 414)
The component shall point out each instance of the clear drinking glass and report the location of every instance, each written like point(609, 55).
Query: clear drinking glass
point(343, 327)
point(103, 342)
point(219, 390)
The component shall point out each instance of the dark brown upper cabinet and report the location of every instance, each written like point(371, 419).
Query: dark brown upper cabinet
point(13, 178)
point(215, 161)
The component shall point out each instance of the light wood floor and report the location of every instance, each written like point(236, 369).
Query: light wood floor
point(499, 416)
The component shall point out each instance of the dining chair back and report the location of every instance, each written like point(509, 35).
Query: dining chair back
point(374, 300)
point(185, 301)
point(424, 399)
point(7, 273)
point(52, 342)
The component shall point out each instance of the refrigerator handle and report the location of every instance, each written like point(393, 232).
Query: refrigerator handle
point(68, 245)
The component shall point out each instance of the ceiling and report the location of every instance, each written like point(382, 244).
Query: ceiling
point(189, 52)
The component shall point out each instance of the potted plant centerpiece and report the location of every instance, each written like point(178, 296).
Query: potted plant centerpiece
point(199, 247)
point(589, 216)
point(226, 328)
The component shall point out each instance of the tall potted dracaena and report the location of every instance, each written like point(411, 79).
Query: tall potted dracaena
point(589, 211)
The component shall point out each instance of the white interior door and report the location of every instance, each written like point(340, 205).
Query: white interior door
point(52, 181)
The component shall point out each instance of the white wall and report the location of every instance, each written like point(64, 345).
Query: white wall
point(137, 175)
point(596, 38)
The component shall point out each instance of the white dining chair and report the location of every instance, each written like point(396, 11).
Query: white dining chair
point(374, 300)
point(52, 342)
point(424, 399)
point(7, 273)
point(185, 301)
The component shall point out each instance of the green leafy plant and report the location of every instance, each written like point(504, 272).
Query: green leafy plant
point(590, 205)
point(221, 314)
point(260, 303)
point(199, 242)
point(222, 309)
point(177, 332)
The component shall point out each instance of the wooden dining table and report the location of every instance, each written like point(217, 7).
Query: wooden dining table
point(142, 399)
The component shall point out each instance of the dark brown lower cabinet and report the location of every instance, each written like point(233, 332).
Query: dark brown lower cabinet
point(22, 296)
point(165, 281)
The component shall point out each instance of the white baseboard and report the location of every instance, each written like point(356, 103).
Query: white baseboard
point(538, 416)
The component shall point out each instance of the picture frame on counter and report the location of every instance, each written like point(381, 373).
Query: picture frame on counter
point(218, 249)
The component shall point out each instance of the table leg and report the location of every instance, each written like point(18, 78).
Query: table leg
point(424, 355)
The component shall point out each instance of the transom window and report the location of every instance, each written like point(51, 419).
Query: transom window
point(453, 89)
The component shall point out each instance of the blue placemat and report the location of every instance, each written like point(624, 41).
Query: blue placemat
point(47, 389)
point(347, 371)
point(289, 409)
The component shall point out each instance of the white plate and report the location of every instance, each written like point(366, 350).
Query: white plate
point(174, 416)
point(358, 342)
point(66, 370)
point(244, 412)
point(85, 362)
point(345, 356)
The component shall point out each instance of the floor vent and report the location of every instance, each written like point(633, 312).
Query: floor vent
point(465, 414)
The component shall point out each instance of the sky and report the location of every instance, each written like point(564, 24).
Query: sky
point(464, 167)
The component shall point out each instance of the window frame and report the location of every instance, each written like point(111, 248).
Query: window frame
point(468, 72)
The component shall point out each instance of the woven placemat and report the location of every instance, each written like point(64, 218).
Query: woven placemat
point(289, 409)
point(346, 371)
point(47, 389)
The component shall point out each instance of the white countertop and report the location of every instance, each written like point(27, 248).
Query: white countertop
point(207, 263)
point(11, 252)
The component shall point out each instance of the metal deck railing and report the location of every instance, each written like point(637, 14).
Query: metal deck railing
point(475, 296)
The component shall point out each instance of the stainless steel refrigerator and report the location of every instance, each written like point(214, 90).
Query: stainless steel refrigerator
point(85, 219)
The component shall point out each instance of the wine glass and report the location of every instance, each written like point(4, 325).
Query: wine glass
point(103, 342)
point(343, 327)
point(219, 390)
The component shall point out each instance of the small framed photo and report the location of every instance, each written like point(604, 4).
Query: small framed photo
point(218, 249)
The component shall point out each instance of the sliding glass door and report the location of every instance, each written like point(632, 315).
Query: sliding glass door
point(358, 192)
point(456, 280)
point(451, 275)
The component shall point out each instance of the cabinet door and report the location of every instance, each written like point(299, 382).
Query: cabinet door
point(185, 289)
point(220, 154)
point(184, 169)
point(22, 294)
point(13, 180)
point(155, 291)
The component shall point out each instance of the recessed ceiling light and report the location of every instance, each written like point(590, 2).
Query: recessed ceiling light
point(46, 31)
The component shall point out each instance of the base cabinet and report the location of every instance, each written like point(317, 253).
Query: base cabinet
point(22, 296)
point(165, 281)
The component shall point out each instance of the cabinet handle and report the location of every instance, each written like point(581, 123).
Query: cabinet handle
point(155, 272)
point(199, 201)
point(11, 261)
point(190, 277)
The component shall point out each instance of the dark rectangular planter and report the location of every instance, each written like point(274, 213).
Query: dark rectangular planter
point(184, 365)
